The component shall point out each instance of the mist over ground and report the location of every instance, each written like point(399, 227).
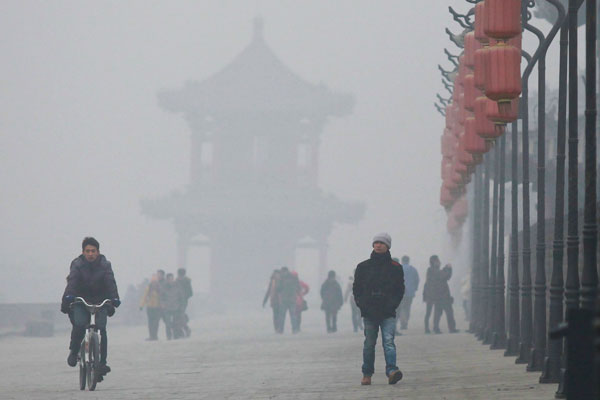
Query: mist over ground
point(84, 140)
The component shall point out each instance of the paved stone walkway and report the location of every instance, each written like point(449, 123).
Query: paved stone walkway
point(240, 358)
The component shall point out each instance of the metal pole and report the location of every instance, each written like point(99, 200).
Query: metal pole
point(491, 310)
point(539, 343)
point(485, 253)
point(589, 275)
point(475, 269)
point(512, 346)
point(572, 282)
point(499, 335)
point(552, 362)
point(526, 323)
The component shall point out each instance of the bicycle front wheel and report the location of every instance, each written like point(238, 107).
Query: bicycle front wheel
point(82, 367)
point(93, 361)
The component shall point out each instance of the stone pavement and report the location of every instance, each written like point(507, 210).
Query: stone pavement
point(240, 358)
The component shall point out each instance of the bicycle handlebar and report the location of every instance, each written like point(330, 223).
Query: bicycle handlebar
point(91, 306)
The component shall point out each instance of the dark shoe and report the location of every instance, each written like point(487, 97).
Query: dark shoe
point(151, 339)
point(437, 331)
point(103, 369)
point(427, 331)
point(366, 380)
point(395, 377)
point(454, 331)
point(72, 359)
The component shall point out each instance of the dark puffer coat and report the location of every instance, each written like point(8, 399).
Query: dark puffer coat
point(331, 294)
point(92, 281)
point(436, 289)
point(378, 286)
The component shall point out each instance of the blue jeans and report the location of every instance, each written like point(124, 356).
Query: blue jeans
point(388, 329)
point(80, 318)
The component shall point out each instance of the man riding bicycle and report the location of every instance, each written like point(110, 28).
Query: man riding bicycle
point(91, 277)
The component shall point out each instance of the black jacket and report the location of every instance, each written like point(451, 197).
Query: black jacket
point(92, 281)
point(331, 294)
point(378, 286)
point(436, 287)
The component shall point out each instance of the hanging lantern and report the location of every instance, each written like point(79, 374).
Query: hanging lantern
point(479, 22)
point(506, 116)
point(460, 209)
point(469, 92)
point(480, 67)
point(502, 19)
point(473, 143)
point(453, 225)
point(503, 75)
point(485, 128)
point(446, 198)
point(470, 47)
point(462, 115)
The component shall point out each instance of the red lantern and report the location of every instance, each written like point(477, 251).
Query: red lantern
point(502, 116)
point(470, 47)
point(473, 143)
point(462, 111)
point(460, 209)
point(485, 128)
point(469, 92)
point(480, 67)
point(479, 22)
point(453, 225)
point(502, 18)
point(503, 76)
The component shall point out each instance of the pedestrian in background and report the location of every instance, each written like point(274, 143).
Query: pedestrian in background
point(331, 294)
point(185, 287)
point(378, 290)
point(151, 300)
point(287, 292)
point(172, 302)
point(348, 297)
point(444, 302)
point(301, 304)
point(411, 284)
point(273, 296)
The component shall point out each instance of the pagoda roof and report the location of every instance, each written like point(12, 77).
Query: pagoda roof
point(306, 205)
point(256, 81)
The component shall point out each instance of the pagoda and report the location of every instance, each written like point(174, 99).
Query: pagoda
point(253, 198)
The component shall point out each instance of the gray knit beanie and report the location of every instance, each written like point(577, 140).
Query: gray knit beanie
point(384, 238)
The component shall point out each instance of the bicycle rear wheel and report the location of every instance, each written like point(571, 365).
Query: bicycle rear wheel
point(82, 368)
point(94, 361)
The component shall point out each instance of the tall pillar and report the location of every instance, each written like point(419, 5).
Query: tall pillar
point(499, 336)
point(512, 346)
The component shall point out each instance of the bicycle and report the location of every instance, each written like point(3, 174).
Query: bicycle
point(89, 351)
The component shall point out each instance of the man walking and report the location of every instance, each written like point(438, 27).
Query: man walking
point(287, 292)
point(185, 285)
point(331, 294)
point(378, 290)
point(411, 282)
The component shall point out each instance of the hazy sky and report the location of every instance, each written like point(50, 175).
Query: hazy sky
point(83, 139)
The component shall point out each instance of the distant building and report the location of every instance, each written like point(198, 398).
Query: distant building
point(253, 198)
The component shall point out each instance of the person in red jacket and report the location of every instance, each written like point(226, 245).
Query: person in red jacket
point(300, 302)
